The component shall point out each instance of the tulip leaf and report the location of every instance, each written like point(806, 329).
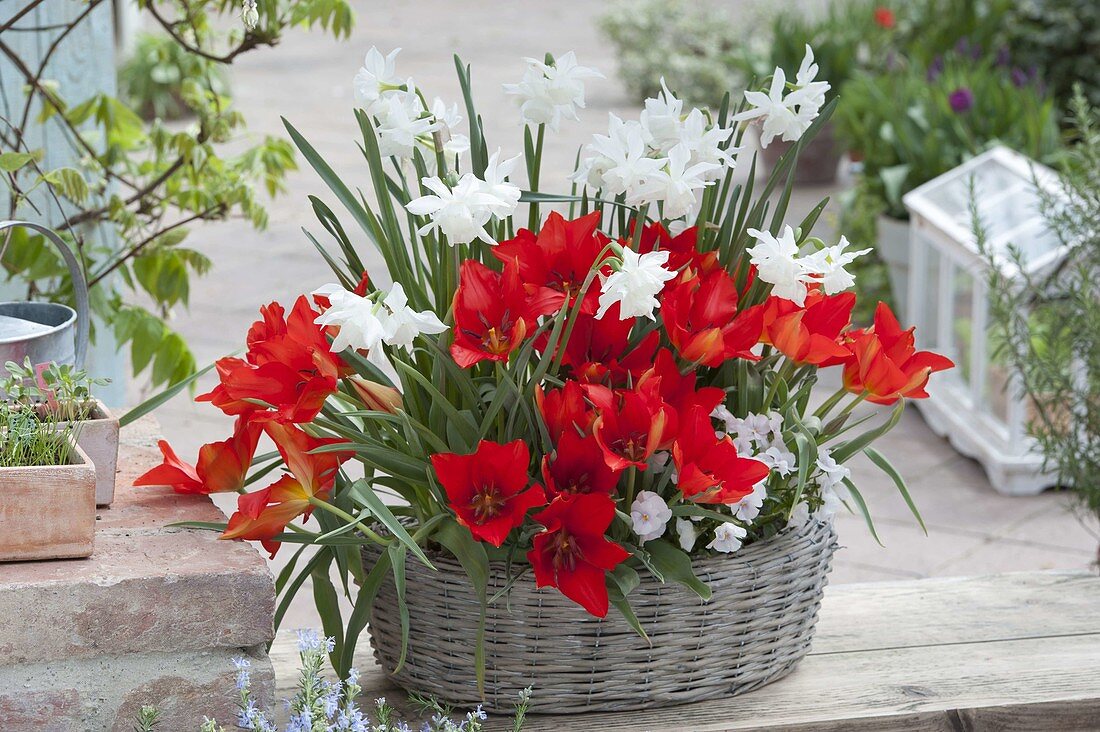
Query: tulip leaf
point(327, 601)
point(362, 491)
point(841, 453)
point(155, 401)
point(861, 504)
point(884, 465)
point(397, 554)
point(620, 583)
point(675, 565)
point(360, 611)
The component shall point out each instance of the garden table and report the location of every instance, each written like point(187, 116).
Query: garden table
point(1016, 651)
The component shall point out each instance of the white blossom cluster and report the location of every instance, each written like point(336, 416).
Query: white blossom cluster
point(663, 157)
point(549, 93)
point(787, 109)
point(779, 262)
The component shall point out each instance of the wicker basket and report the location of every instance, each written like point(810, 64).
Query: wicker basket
point(754, 629)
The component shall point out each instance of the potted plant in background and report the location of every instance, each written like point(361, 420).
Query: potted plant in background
point(47, 483)
point(66, 392)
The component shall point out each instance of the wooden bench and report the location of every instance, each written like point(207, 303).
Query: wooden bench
point(1003, 652)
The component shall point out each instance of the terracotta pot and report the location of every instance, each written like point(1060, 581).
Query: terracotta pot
point(48, 511)
point(893, 248)
point(98, 437)
point(818, 161)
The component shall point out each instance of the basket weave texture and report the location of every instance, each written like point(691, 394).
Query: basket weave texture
point(754, 629)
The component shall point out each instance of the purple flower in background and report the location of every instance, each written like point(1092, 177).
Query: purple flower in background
point(934, 69)
point(1004, 56)
point(961, 100)
point(965, 48)
point(1020, 78)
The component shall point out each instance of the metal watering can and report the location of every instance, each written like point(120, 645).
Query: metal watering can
point(46, 331)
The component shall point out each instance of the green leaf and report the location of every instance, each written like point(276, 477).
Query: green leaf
point(675, 565)
point(878, 459)
point(69, 183)
point(397, 555)
point(620, 583)
point(362, 491)
point(327, 601)
point(470, 553)
point(154, 402)
point(13, 161)
point(360, 612)
point(861, 504)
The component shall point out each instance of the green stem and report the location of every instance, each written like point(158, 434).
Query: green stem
point(534, 168)
point(336, 511)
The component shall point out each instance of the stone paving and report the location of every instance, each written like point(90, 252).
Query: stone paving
point(971, 529)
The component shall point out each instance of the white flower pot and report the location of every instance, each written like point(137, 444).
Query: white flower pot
point(98, 438)
point(893, 248)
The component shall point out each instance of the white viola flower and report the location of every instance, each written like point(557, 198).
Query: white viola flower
point(401, 120)
point(833, 474)
point(505, 195)
point(755, 429)
point(725, 416)
point(829, 264)
point(635, 284)
point(659, 460)
point(706, 143)
point(459, 213)
point(778, 458)
point(404, 324)
point(660, 120)
point(727, 538)
point(361, 322)
point(549, 93)
point(799, 516)
point(619, 161)
point(777, 263)
point(649, 515)
point(748, 508)
point(687, 533)
point(676, 185)
point(447, 121)
point(377, 73)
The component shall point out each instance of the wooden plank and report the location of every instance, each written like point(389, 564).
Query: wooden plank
point(1006, 652)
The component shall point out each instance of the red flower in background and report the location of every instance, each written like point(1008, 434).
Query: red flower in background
point(558, 259)
point(677, 389)
point(631, 425)
point(264, 514)
point(578, 466)
point(600, 351)
point(488, 489)
point(564, 410)
point(221, 466)
point(710, 470)
point(809, 334)
point(885, 18)
point(703, 322)
point(493, 314)
point(886, 364)
point(573, 554)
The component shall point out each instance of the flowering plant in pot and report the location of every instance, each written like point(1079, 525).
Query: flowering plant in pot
point(47, 482)
point(609, 406)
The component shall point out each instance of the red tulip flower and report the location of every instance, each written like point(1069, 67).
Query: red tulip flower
point(577, 466)
point(264, 514)
point(809, 334)
point(703, 323)
point(885, 18)
point(709, 468)
point(600, 351)
point(681, 248)
point(631, 425)
point(564, 410)
point(221, 467)
point(295, 341)
point(573, 554)
point(678, 389)
point(559, 259)
point(886, 364)
point(489, 489)
point(493, 314)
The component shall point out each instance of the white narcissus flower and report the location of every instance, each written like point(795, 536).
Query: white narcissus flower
point(829, 264)
point(549, 93)
point(675, 185)
point(706, 143)
point(649, 515)
point(377, 73)
point(401, 119)
point(635, 285)
point(459, 213)
point(359, 319)
point(809, 94)
point(495, 185)
point(787, 116)
point(403, 324)
point(447, 119)
point(619, 162)
point(660, 120)
point(748, 508)
point(687, 533)
point(777, 263)
point(727, 538)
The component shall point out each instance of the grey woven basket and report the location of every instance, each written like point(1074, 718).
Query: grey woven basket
point(753, 630)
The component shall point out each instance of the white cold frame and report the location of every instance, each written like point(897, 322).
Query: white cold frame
point(978, 405)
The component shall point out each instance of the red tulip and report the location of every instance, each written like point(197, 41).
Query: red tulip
point(295, 341)
point(885, 363)
point(885, 18)
point(488, 489)
point(681, 248)
point(572, 553)
point(221, 467)
point(678, 389)
point(599, 351)
point(559, 259)
point(577, 466)
point(702, 320)
point(631, 425)
point(564, 410)
point(710, 471)
point(493, 314)
point(809, 334)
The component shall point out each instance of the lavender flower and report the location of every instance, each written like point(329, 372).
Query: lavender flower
point(961, 100)
point(935, 69)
